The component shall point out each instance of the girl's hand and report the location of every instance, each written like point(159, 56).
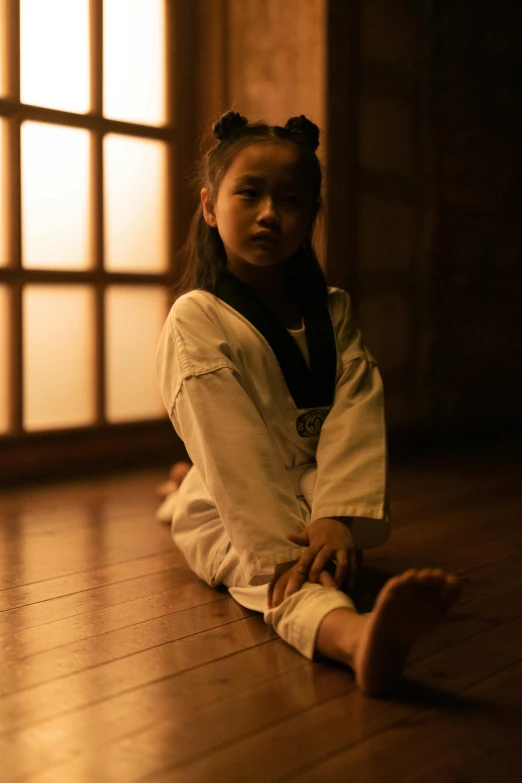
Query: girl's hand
point(290, 577)
point(325, 540)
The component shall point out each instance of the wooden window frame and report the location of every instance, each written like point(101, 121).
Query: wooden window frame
point(102, 445)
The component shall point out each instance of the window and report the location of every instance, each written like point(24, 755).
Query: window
point(86, 150)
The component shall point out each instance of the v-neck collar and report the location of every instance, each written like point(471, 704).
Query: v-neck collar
point(309, 387)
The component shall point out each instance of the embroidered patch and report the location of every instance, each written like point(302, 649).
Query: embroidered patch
point(309, 424)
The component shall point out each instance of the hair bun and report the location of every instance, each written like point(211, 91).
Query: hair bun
point(305, 129)
point(229, 123)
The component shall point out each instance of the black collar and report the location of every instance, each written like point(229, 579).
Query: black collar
point(309, 388)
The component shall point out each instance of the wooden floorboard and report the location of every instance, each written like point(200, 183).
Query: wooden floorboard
point(119, 665)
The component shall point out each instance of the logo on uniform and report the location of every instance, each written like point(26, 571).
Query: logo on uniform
point(309, 424)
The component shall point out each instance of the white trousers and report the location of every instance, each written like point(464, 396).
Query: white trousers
point(200, 535)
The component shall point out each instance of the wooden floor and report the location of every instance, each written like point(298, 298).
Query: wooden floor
point(117, 664)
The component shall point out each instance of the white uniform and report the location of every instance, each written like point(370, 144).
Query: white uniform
point(263, 467)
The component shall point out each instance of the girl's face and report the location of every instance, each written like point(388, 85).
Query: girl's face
point(263, 192)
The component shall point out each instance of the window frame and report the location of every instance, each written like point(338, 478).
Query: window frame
point(101, 445)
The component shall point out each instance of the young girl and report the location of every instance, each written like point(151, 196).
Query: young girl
point(280, 406)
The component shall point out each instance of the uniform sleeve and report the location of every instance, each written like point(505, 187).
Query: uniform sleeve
point(351, 455)
point(229, 443)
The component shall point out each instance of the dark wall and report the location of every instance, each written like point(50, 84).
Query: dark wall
point(425, 144)
point(477, 249)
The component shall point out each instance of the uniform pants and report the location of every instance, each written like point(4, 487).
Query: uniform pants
point(200, 535)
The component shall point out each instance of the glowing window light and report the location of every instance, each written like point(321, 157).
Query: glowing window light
point(134, 60)
point(134, 317)
point(58, 356)
point(135, 204)
point(54, 54)
point(4, 359)
point(55, 196)
point(4, 201)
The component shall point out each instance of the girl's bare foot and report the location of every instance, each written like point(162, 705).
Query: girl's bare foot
point(176, 475)
point(407, 606)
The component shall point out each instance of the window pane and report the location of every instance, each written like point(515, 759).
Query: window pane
point(55, 196)
point(134, 60)
point(58, 350)
point(54, 54)
point(134, 318)
point(135, 204)
point(4, 201)
point(5, 372)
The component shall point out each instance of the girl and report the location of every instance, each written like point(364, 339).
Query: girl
point(268, 383)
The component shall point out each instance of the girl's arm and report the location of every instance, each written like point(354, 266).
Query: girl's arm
point(351, 455)
point(228, 442)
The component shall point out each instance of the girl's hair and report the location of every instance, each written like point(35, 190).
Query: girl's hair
point(203, 255)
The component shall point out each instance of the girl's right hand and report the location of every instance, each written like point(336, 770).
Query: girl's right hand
point(328, 540)
point(290, 577)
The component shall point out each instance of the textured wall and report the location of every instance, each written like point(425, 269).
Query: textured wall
point(277, 59)
point(272, 64)
point(380, 207)
point(477, 253)
point(434, 137)
point(262, 58)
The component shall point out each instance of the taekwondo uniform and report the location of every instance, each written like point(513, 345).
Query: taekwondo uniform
point(283, 427)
